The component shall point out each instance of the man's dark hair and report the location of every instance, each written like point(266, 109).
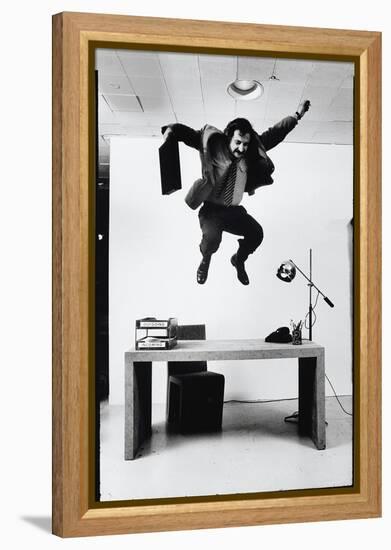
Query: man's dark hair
point(241, 124)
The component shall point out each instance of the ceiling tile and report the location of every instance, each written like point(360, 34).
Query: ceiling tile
point(182, 104)
point(216, 91)
point(192, 120)
point(253, 110)
point(110, 129)
point(219, 121)
point(156, 131)
point(167, 81)
point(278, 111)
point(123, 102)
point(348, 82)
point(321, 98)
point(285, 95)
point(341, 107)
point(105, 114)
point(149, 86)
point(145, 64)
point(318, 112)
point(184, 88)
point(217, 67)
point(255, 68)
point(334, 132)
point(138, 131)
point(303, 132)
point(223, 113)
point(156, 104)
point(106, 61)
point(348, 67)
point(160, 119)
point(132, 119)
point(114, 84)
point(330, 74)
point(173, 64)
point(320, 94)
point(221, 107)
point(293, 71)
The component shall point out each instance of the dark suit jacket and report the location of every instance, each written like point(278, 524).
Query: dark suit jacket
point(215, 165)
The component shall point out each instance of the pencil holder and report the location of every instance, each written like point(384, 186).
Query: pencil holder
point(296, 337)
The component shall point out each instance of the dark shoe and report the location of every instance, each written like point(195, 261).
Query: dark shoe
point(240, 271)
point(202, 271)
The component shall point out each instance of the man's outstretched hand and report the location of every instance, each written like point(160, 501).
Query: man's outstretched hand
point(303, 107)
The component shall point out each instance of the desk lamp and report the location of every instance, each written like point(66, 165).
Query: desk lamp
point(287, 272)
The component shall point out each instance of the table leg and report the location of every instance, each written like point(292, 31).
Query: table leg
point(312, 420)
point(138, 397)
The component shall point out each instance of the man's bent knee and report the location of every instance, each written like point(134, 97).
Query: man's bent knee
point(258, 237)
point(250, 243)
point(210, 244)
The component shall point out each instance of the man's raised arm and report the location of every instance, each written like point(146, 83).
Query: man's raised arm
point(277, 133)
point(180, 132)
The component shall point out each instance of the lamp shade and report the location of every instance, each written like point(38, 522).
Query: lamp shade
point(245, 89)
point(286, 272)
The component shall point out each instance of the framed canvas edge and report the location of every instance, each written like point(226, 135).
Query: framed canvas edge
point(73, 512)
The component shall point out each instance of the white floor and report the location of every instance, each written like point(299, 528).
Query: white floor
point(256, 451)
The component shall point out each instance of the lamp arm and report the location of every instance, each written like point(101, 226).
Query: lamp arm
point(327, 300)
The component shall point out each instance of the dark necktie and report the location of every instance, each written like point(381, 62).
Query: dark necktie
point(227, 190)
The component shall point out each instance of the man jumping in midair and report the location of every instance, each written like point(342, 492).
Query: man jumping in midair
point(233, 162)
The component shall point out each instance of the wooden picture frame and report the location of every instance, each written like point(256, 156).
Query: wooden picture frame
point(75, 513)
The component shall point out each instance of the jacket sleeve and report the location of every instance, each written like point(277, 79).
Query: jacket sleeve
point(180, 132)
point(277, 133)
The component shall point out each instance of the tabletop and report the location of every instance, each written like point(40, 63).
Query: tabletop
point(214, 350)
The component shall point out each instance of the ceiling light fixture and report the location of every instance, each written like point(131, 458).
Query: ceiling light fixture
point(273, 75)
point(244, 89)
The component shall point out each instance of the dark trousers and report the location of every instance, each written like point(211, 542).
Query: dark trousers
point(215, 218)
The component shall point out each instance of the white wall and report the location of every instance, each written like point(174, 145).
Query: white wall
point(154, 255)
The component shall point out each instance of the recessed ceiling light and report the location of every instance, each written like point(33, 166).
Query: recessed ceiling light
point(245, 89)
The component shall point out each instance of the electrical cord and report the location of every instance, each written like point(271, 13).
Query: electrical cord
point(313, 313)
point(336, 397)
point(245, 401)
point(294, 416)
point(328, 379)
